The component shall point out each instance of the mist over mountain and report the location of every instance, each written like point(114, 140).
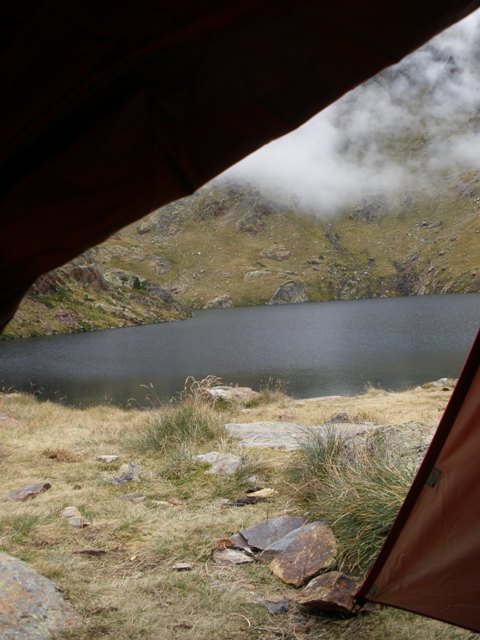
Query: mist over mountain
point(406, 131)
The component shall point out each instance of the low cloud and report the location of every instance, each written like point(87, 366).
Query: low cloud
point(407, 130)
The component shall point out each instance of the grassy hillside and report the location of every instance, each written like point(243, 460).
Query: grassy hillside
point(229, 240)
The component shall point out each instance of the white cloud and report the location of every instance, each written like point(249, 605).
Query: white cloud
point(401, 130)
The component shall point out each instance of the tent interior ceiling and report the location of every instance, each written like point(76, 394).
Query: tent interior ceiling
point(111, 109)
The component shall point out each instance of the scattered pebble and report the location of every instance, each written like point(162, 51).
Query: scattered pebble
point(74, 518)
point(136, 498)
point(182, 566)
point(263, 493)
point(107, 458)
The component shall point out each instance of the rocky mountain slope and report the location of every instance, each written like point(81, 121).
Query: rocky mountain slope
point(229, 245)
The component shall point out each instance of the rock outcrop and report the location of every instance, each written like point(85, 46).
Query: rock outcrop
point(222, 302)
point(291, 292)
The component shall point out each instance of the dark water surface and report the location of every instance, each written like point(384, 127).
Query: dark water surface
point(319, 348)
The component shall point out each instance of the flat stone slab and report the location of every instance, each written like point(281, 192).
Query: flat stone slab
point(31, 608)
point(29, 491)
point(289, 435)
point(275, 435)
point(260, 536)
point(303, 553)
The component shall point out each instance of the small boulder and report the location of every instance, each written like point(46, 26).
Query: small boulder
point(276, 604)
point(28, 492)
point(239, 395)
point(276, 252)
point(302, 554)
point(31, 608)
point(128, 473)
point(255, 274)
point(340, 417)
point(220, 462)
point(222, 302)
point(333, 592)
point(144, 228)
point(291, 292)
point(74, 518)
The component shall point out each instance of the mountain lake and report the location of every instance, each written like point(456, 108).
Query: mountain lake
point(326, 348)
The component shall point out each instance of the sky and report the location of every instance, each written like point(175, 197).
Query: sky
point(401, 132)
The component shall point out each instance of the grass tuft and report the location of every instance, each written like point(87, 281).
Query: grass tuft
point(357, 490)
point(186, 426)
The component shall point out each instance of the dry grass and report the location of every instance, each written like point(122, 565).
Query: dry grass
point(131, 591)
point(421, 404)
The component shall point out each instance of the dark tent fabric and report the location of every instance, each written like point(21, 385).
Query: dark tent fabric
point(111, 109)
point(430, 562)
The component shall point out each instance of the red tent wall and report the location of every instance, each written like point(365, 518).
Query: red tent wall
point(430, 563)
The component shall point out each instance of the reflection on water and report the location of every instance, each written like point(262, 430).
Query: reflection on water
point(320, 349)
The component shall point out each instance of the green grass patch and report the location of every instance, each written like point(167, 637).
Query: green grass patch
point(358, 490)
point(190, 425)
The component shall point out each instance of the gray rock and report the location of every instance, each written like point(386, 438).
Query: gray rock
point(276, 252)
point(239, 395)
point(220, 462)
point(136, 498)
point(128, 473)
point(222, 302)
point(305, 553)
point(289, 293)
point(144, 228)
point(31, 608)
point(340, 417)
point(260, 536)
point(74, 518)
point(282, 435)
point(277, 607)
point(256, 273)
point(28, 492)
point(438, 384)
